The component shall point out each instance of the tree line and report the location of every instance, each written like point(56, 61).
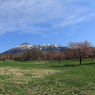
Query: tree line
point(75, 51)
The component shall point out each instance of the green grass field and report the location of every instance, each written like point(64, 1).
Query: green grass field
point(33, 78)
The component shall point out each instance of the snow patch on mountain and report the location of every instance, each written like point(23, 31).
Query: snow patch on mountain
point(25, 46)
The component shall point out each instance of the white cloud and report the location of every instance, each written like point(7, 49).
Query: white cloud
point(37, 15)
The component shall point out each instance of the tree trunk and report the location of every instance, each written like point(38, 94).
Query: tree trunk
point(80, 61)
point(59, 62)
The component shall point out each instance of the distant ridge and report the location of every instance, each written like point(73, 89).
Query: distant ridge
point(25, 46)
point(25, 43)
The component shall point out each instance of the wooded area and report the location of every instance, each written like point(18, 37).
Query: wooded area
point(75, 51)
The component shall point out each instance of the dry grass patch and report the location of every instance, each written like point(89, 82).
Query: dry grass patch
point(40, 73)
point(21, 75)
point(10, 71)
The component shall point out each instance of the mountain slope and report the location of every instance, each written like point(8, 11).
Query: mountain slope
point(25, 46)
point(50, 47)
point(18, 49)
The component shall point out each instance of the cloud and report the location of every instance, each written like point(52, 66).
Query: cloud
point(36, 16)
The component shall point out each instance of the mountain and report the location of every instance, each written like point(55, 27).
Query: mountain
point(50, 47)
point(25, 46)
point(18, 49)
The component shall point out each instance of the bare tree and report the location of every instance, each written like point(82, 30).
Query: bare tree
point(68, 54)
point(59, 56)
point(49, 56)
point(32, 54)
point(80, 49)
point(91, 54)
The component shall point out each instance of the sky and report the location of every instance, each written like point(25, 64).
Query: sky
point(46, 22)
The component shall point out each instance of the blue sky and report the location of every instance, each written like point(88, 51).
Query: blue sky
point(46, 22)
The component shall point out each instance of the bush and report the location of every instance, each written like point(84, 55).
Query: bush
point(18, 58)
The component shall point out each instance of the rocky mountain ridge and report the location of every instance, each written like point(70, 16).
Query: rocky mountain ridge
point(25, 46)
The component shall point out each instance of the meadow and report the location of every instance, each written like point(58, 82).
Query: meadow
point(45, 78)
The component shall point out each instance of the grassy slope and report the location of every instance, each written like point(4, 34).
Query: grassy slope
point(32, 78)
